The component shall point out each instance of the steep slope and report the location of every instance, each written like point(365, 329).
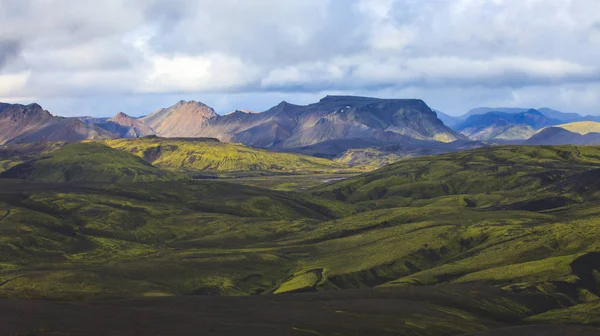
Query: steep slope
point(89, 162)
point(504, 126)
point(184, 119)
point(31, 123)
point(125, 126)
point(577, 133)
point(290, 126)
point(210, 155)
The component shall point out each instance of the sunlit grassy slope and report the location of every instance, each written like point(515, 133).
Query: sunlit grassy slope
point(522, 219)
point(582, 127)
point(90, 162)
point(208, 155)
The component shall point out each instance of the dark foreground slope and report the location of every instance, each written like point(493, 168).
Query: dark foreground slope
point(445, 310)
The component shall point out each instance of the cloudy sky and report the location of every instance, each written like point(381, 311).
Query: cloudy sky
point(89, 57)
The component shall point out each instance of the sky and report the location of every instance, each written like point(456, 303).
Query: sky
point(89, 57)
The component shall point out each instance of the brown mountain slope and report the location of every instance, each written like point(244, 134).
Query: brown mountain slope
point(291, 126)
point(31, 123)
point(184, 119)
point(125, 126)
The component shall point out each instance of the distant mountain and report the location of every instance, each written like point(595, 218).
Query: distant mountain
point(31, 123)
point(562, 116)
point(484, 110)
point(124, 126)
point(448, 120)
point(184, 119)
point(291, 126)
point(548, 112)
point(504, 126)
point(577, 133)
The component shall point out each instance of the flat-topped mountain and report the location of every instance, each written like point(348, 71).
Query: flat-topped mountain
point(504, 126)
point(31, 123)
point(290, 126)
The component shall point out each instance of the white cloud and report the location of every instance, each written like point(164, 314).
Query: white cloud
point(12, 84)
point(208, 73)
point(545, 50)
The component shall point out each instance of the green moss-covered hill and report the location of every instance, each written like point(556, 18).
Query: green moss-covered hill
point(90, 162)
point(209, 155)
point(517, 220)
point(492, 176)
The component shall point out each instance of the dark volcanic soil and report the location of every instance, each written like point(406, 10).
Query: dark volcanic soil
point(403, 311)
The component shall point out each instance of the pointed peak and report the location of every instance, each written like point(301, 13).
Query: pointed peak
point(35, 106)
point(121, 115)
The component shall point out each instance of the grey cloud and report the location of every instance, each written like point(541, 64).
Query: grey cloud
point(75, 49)
point(8, 50)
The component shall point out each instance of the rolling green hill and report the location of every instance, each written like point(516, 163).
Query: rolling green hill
point(209, 155)
point(12, 155)
point(90, 162)
point(493, 176)
point(520, 221)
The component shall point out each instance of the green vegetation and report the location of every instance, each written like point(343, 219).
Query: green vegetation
point(90, 162)
point(509, 219)
point(369, 158)
point(13, 155)
point(211, 156)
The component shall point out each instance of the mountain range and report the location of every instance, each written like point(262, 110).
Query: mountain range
point(329, 128)
point(505, 126)
point(291, 126)
point(31, 123)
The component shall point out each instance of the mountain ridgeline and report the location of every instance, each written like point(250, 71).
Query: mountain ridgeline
point(504, 126)
point(354, 130)
point(31, 123)
point(291, 126)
